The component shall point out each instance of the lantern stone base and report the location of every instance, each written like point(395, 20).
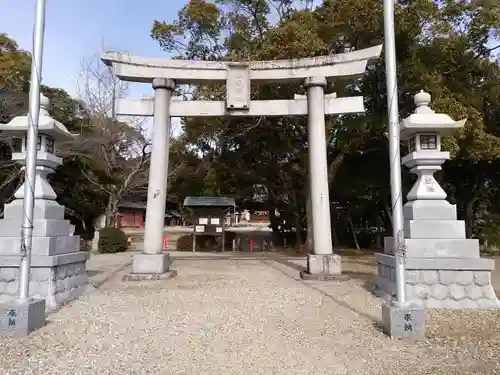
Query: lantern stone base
point(58, 268)
point(440, 283)
point(58, 279)
point(443, 268)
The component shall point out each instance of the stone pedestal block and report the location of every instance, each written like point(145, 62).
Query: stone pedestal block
point(436, 248)
point(44, 209)
point(406, 322)
point(441, 283)
point(438, 229)
point(429, 210)
point(56, 245)
point(57, 279)
point(151, 264)
point(21, 317)
point(322, 267)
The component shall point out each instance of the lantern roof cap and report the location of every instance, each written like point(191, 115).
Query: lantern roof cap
point(425, 120)
point(47, 125)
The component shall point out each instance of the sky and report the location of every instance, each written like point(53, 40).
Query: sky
point(78, 28)
point(75, 29)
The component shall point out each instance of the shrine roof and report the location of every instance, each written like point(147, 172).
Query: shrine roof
point(209, 202)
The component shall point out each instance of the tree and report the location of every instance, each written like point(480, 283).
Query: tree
point(442, 48)
point(112, 153)
point(14, 80)
point(282, 151)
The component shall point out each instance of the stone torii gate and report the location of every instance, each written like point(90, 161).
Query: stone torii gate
point(314, 73)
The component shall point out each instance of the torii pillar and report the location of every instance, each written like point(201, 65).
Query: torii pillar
point(152, 263)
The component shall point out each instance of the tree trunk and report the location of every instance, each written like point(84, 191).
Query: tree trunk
point(388, 212)
point(334, 167)
point(353, 231)
point(335, 237)
point(112, 212)
point(469, 218)
point(95, 240)
point(298, 230)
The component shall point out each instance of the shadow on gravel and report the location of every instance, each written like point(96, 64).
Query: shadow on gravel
point(101, 280)
point(93, 273)
point(375, 320)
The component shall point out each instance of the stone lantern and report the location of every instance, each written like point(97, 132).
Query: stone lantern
point(444, 269)
point(423, 130)
point(49, 131)
point(58, 267)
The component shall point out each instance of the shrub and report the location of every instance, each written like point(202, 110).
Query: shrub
point(112, 240)
point(185, 243)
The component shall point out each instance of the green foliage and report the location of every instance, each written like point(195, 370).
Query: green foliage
point(112, 240)
point(14, 65)
point(488, 229)
point(446, 48)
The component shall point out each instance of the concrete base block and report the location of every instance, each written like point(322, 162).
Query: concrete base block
point(440, 283)
point(322, 267)
point(57, 279)
point(405, 322)
point(150, 276)
point(151, 263)
point(19, 318)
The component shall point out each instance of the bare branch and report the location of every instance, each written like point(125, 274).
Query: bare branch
point(113, 150)
point(98, 87)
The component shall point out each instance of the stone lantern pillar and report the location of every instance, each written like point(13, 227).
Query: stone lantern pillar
point(58, 267)
point(443, 268)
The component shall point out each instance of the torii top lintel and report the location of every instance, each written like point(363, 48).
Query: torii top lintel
point(145, 69)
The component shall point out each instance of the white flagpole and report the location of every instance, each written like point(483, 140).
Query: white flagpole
point(31, 151)
point(394, 152)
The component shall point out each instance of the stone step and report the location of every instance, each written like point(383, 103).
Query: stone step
point(41, 227)
point(445, 229)
point(436, 247)
point(41, 245)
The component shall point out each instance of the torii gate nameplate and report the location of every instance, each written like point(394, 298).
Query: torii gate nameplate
point(238, 87)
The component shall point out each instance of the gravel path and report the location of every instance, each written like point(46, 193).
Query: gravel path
point(245, 316)
point(101, 267)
